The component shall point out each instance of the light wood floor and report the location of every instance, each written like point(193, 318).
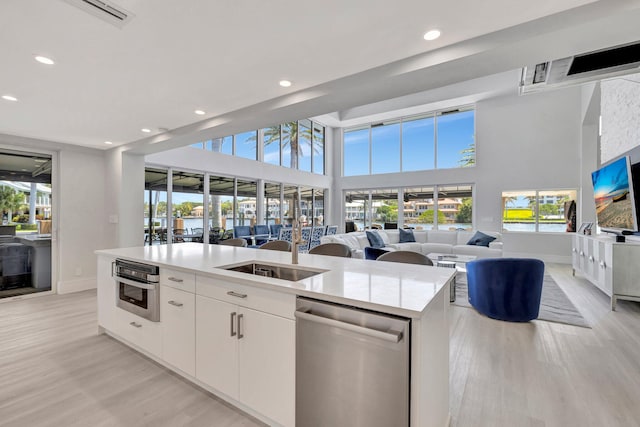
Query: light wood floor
point(548, 374)
point(55, 370)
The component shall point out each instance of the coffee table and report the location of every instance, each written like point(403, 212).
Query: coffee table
point(459, 262)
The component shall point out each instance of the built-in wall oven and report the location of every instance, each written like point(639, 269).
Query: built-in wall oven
point(138, 288)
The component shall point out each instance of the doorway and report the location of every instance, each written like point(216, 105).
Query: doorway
point(25, 227)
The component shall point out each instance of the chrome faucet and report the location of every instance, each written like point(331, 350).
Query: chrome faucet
point(296, 240)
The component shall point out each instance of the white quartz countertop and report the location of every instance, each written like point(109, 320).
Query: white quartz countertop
point(394, 288)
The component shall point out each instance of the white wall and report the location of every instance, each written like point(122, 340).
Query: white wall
point(523, 143)
point(620, 118)
point(81, 218)
point(78, 205)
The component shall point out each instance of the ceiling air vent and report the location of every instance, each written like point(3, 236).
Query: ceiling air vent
point(105, 10)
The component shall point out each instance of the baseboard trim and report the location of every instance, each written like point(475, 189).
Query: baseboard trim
point(558, 259)
point(70, 286)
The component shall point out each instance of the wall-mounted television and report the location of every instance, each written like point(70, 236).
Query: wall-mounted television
point(614, 197)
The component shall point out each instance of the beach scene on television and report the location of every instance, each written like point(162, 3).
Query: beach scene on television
point(614, 204)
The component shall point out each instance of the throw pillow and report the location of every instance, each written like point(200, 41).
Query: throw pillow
point(406, 236)
point(481, 239)
point(375, 241)
point(373, 253)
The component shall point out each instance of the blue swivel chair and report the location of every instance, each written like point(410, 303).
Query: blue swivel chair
point(506, 288)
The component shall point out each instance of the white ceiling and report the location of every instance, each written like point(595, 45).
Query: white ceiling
point(226, 58)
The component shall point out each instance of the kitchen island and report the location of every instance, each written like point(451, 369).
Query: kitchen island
point(205, 309)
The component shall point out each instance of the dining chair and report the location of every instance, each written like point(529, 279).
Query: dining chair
point(274, 230)
point(316, 234)
point(331, 229)
point(306, 239)
point(240, 242)
point(277, 245)
point(407, 257)
point(331, 249)
point(285, 234)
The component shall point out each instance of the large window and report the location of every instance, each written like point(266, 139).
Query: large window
point(440, 140)
point(187, 204)
point(455, 140)
point(536, 210)
point(356, 152)
point(418, 144)
point(296, 145)
point(245, 145)
point(441, 207)
point(272, 212)
point(318, 148)
point(155, 207)
point(385, 148)
point(245, 211)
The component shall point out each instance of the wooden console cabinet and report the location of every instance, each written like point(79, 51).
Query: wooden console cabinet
point(613, 267)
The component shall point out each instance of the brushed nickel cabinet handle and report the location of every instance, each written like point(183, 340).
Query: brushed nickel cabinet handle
point(136, 325)
point(176, 304)
point(175, 279)
point(232, 322)
point(235, 294)
point(240, 335)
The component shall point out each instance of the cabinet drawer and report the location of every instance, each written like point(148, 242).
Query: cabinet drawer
point(178, 279)
point(278, 303)
point(138, 331)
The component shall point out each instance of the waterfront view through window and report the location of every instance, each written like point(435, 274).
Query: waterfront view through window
point(536, 210)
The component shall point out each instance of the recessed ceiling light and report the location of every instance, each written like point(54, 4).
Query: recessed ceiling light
point(44, 60)
point(432, 35)
point(145, 130)
point(9, 98)
point(23, 170)
point(108, 142)
point(199, 112)
point(285, 83)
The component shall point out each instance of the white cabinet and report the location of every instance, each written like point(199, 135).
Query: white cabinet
point(217, 344)
point(611, 266)
point(267, 365)
point(177, 314)
point(106, 293)
point(247, 353)
point(138, 331)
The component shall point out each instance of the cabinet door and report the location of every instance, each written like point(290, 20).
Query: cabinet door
point(575, 251)
point(177, 314)
point(217, 344)
point(267, 365)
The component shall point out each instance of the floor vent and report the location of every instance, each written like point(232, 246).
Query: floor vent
point(105, 10)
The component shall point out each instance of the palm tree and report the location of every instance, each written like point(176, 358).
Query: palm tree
point(468, 156)
point(291, 137)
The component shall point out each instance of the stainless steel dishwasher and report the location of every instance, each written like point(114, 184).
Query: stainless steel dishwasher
point(352, 367)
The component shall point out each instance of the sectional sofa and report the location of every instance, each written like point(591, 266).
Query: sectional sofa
point(426, 242)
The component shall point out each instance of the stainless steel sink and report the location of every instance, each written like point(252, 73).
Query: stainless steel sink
point(274, 270)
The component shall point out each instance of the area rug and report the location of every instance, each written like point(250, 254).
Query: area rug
point(555, 306)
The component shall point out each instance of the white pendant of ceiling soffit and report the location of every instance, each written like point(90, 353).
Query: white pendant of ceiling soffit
point(105, 10)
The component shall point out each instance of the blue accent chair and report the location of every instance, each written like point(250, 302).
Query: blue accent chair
point(506, 288)
point(242, 231)
point(373, 253)
point(275, 230)
point(261, 233)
